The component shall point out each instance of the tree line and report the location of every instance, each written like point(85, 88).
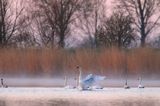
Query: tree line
point(49, 23)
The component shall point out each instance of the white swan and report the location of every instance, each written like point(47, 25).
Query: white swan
point(88, 81)
point(65, 81)
point(126, 85)
point(66, 86)
point(2, 84)
point(79, 79)
point(140, 83)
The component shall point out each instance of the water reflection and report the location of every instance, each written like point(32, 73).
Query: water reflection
point(2, 103)
point(60, 102)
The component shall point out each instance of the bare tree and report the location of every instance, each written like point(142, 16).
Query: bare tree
point(92, 15)
point(116, 31)
point(143, 12)
point(25, 36)
point(156, 42)
point(43, 20)
point(46, 30)
point(60, 14)
point(8, 20)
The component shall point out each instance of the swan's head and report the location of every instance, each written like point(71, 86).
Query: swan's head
point(77, 67)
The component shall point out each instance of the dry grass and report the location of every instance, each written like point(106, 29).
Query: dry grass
point(52, 62)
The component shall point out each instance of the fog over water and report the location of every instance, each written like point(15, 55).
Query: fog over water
point(67, 97)
point(59, 82)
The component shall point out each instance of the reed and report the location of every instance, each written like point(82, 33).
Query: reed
point(104, 61)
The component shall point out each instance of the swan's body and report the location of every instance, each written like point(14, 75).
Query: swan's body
point(97, 87)
point(91, 79)
point(126, 85)
point(140, 83)
point(2, 84)
point(88, 81)
point(69, 87)
point(85, 83)
point(66, 86)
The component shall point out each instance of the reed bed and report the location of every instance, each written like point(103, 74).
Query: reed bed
point(103, 61)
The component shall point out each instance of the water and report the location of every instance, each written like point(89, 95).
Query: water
point(72, 97)
point(57, 82)
point(84, 103)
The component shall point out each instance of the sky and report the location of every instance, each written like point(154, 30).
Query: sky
point(109, 4)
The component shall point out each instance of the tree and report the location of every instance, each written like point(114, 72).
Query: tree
point(116, 31)
point(8, 20)
point(60, 14)
point(143, 11)
point(92, 15)
point(156, 42)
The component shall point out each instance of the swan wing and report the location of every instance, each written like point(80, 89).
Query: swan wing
point(89, 80)
point(98, 78)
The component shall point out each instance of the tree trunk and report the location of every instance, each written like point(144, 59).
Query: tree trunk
point(1, 35)
point(119, 41)
point(52, 39)
point(61, 41)
point(143, 42)
point(143, 37)
point(1, 39)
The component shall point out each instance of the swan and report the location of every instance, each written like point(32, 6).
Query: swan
point(140, 83)
point(65, 81)
point(2, 84)
point(91, 79)
point(79, 79)
point(84, 83)
point(126, 85)
point(66, 86)
point(88, 81)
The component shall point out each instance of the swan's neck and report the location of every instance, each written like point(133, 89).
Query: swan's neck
point(65, 81)
point(140, 80)
point(126, 83)
point(1, 81)
point(80, 78)
point(80, 74)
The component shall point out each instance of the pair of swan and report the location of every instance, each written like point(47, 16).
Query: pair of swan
point(139, 86)
point(87, 82)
